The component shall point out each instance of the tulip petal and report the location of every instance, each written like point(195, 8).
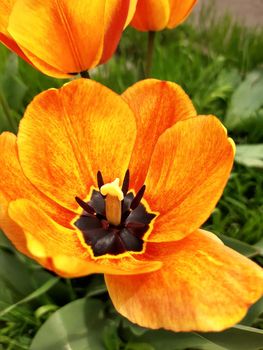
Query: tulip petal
point(151, 15)
point(63, 34)
point(5, 10)
point(202, 286)
point(179, 11)
point(132, 9)
point(115, 18)
point(189, 169)
point(14, 185)
point(157, 105)
point(64, 248)
point(68, 135)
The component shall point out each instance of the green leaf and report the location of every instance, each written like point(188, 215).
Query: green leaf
point(253, 314)
point(76, 326)
point(41, 290)
point(14, 275)
point(110, 336)
point(4, 242)
point(161, 340)
point(246, 101)
point(237, 338)
point(250, 155)
point(241, 247)
point(139, 346)
point(12, 85)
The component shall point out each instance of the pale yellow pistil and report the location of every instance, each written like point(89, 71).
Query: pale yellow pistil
point(114, 196)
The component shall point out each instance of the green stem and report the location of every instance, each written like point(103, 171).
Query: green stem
point(85, 74)
point(9, 118)
point(150, 51)
point(71, 290)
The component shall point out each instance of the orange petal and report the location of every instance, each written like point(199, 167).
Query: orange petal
point(67, 135)
point(202, 286)
point(14, 184)
point(12, 45)
point(68, 266)
point(189, 169)
point(157, 105)
point(116, 13)
point(43, 66)
point(179, 11)
point(5, 10)
point(132, 9)
point(66, 35)
point(47, 239)
point(54, 237)
point(151, 15)
point(14, 233)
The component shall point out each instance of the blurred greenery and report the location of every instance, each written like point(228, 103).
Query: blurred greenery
point(220, 65)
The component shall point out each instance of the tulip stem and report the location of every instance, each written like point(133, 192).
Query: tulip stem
point(7, 113)
point(150, 51)
point(85, 74)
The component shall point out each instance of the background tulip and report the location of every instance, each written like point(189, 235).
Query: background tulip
point(62, 38)
point(155, 15)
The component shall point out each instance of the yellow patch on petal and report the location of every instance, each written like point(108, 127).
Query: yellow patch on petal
point(35, 247)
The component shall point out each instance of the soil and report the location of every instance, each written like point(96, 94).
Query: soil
point(246, 12)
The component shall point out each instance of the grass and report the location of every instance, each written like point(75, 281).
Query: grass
point(209, 59)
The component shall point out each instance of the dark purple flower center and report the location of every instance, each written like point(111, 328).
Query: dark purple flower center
point(106, 238)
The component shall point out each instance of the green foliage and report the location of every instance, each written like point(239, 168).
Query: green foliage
point(219, 64)
point(250, 155)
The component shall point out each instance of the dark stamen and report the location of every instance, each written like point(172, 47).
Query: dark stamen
point(135, 225)
point(100, 179)
point(126, 182)
point(137, 199)
point(85, 206)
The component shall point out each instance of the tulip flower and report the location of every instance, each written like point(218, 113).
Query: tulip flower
point(96, 182)
point(61, 38)
point(155, 15)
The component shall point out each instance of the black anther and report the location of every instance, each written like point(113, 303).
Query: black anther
point(126, 182)
point(100, 179)
point(85, 206)
point(137, 199)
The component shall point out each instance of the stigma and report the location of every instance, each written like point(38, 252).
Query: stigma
point(113, 202)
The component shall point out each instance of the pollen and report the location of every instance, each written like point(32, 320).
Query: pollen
point(112, 189)
point(114, 196)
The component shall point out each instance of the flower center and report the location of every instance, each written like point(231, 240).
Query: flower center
point(114, 220)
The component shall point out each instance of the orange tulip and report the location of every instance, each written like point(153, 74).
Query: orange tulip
point(62, 203)
point(63, 37)
point(155, 15)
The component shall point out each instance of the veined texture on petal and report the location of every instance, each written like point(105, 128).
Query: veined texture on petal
point(157, 105)
point(90, 129)
point(202, 286)
point(189, 169)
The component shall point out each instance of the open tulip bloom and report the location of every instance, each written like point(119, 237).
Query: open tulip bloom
point(155, 15)
point(63, 37)
point(101, 183)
